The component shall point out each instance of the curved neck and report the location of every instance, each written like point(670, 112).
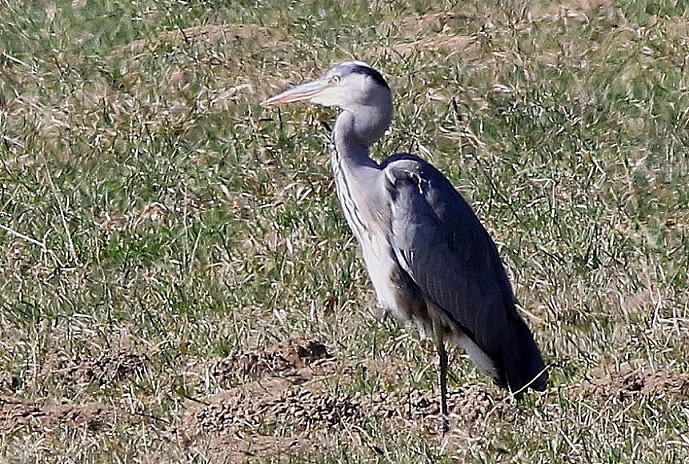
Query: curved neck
point(352, 168)
point(349, 146)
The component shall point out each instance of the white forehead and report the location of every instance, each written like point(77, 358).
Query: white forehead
point(346, 67)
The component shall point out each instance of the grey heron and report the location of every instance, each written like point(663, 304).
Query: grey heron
point(429, 258)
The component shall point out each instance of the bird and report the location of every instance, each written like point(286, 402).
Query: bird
point(430, 260)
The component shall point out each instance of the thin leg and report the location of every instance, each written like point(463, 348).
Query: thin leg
point(443, 385)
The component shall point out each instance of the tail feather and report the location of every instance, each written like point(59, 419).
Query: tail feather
point(522, 365)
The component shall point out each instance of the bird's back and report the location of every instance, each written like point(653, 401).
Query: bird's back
point(441, 244)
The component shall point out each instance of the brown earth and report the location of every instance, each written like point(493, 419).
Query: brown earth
point(627, 381)
point(105, 369)
point(278, 401)
point(282, 400)
point(294, 358)
point(16, 414)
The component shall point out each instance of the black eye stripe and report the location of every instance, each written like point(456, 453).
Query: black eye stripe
point(375, 75)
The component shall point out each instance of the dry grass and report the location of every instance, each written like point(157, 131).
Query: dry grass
point(178, 284)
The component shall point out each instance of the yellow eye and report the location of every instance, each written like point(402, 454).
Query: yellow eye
point(335, 79)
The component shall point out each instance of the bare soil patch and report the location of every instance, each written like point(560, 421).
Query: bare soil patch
point(293, 358)
point(274, 417)
point(290, 410)
point(278, 401)
point(280, 406)
point(75, 372)
point(16, 413)
point(628, 381)
point(102, 370)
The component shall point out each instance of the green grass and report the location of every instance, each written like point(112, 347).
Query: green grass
point(149, 205)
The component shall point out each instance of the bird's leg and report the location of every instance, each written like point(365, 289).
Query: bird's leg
point(445, 426)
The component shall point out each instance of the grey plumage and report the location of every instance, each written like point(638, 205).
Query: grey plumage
point(430, 260)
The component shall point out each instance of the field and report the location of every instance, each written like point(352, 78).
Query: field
point(177, 283)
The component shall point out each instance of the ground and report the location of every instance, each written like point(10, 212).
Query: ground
point(280, 402)
point(178, 284)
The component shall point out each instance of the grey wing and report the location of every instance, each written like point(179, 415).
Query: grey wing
point(440, 243)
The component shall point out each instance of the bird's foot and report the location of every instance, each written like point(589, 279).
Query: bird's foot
point(444, 425)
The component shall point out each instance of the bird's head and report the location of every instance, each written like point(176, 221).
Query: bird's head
point(345, 84)
point(352, 86)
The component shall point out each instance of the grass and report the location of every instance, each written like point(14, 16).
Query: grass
point(148, 205)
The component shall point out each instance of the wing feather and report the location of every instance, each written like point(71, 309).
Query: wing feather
point(441, 244)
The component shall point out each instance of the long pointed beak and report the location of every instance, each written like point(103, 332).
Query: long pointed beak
point(300, 92)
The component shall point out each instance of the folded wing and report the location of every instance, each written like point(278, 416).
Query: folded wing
point(440, 243)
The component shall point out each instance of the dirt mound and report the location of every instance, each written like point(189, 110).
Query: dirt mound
point(16, 414)
point(260, 397)
point(629, 381)
point(286, 359)
point(294, 410)
point(283, 389)
point(268, 410)
point(278, 401)
point(103, 370)
point(257, 423)
point(471, 402)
